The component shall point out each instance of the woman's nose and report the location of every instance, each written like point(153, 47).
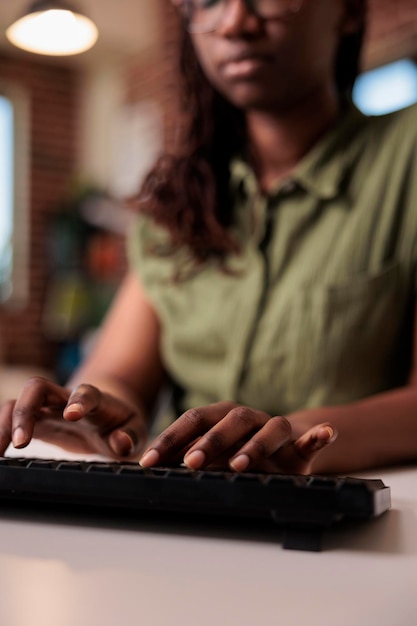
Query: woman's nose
point(238, 19)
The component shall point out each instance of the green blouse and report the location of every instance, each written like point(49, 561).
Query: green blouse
point(319, 307)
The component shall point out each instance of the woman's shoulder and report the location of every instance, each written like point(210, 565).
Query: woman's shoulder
point(147, 246)
point(384, 145)
point(153, 253)
point(147, 238)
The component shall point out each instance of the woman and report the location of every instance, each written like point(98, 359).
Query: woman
point(273, 266)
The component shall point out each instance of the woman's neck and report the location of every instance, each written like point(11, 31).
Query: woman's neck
point(278, 141)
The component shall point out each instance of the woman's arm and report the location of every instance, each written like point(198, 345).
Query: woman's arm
point(125, 360)
point(376, 431)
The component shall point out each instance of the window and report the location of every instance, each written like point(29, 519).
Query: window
point(386, 88)
point(6, 192)
point(14, 158)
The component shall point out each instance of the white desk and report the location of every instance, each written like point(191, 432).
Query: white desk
point(62, 574)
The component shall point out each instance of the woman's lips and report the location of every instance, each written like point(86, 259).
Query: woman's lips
point(245, 67)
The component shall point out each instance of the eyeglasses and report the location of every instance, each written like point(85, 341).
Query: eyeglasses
point(205, 16)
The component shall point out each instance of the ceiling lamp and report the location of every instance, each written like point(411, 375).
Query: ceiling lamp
point(53, 27)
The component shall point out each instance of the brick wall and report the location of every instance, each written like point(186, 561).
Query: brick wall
point(52, 93)
point(392, 33)
point(155, 75)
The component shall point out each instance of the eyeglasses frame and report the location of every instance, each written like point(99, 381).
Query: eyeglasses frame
point(186, 11)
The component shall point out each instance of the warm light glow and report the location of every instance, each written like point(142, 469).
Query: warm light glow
point(55, 32)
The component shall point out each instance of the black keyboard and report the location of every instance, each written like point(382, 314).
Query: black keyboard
point(303, 506)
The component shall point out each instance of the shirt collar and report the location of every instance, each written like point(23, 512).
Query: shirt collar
point(323, 169)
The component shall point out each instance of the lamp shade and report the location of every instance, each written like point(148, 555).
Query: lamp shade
point(53, 27)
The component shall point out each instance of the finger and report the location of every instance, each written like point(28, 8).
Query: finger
point(237, 425)
point(83, 400)
point(102, 410)
point(187, 428)
point(266, 441)
point(128, 440)
point(314, 441)
point(6, 412)
point(38, 395)
point(120, 427)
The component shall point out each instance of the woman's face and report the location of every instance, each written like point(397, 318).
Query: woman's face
point(272, 64)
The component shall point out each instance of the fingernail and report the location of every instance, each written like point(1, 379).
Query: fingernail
point(329, 431)
point(76, 409)
point(19, 437)
point(150, 458)
point(240, 463)
point(195, 459)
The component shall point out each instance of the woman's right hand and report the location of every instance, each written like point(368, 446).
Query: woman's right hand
point(84, 420)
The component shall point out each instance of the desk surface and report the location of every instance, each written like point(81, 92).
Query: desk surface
point(68, 573)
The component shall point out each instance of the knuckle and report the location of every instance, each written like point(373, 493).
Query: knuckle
point(282, 425)
point(84, 390)
point(194, 417)
point(258, 448)
point(243, 414)
point(35, 381)
point(167, 440)
point(214, 440)
point(22, 413)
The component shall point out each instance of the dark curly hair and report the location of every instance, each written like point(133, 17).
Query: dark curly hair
point(188, 192)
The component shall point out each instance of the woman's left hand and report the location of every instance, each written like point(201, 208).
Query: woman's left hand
point(239, 438)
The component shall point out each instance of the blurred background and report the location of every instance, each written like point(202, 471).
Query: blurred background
point(78, 134)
